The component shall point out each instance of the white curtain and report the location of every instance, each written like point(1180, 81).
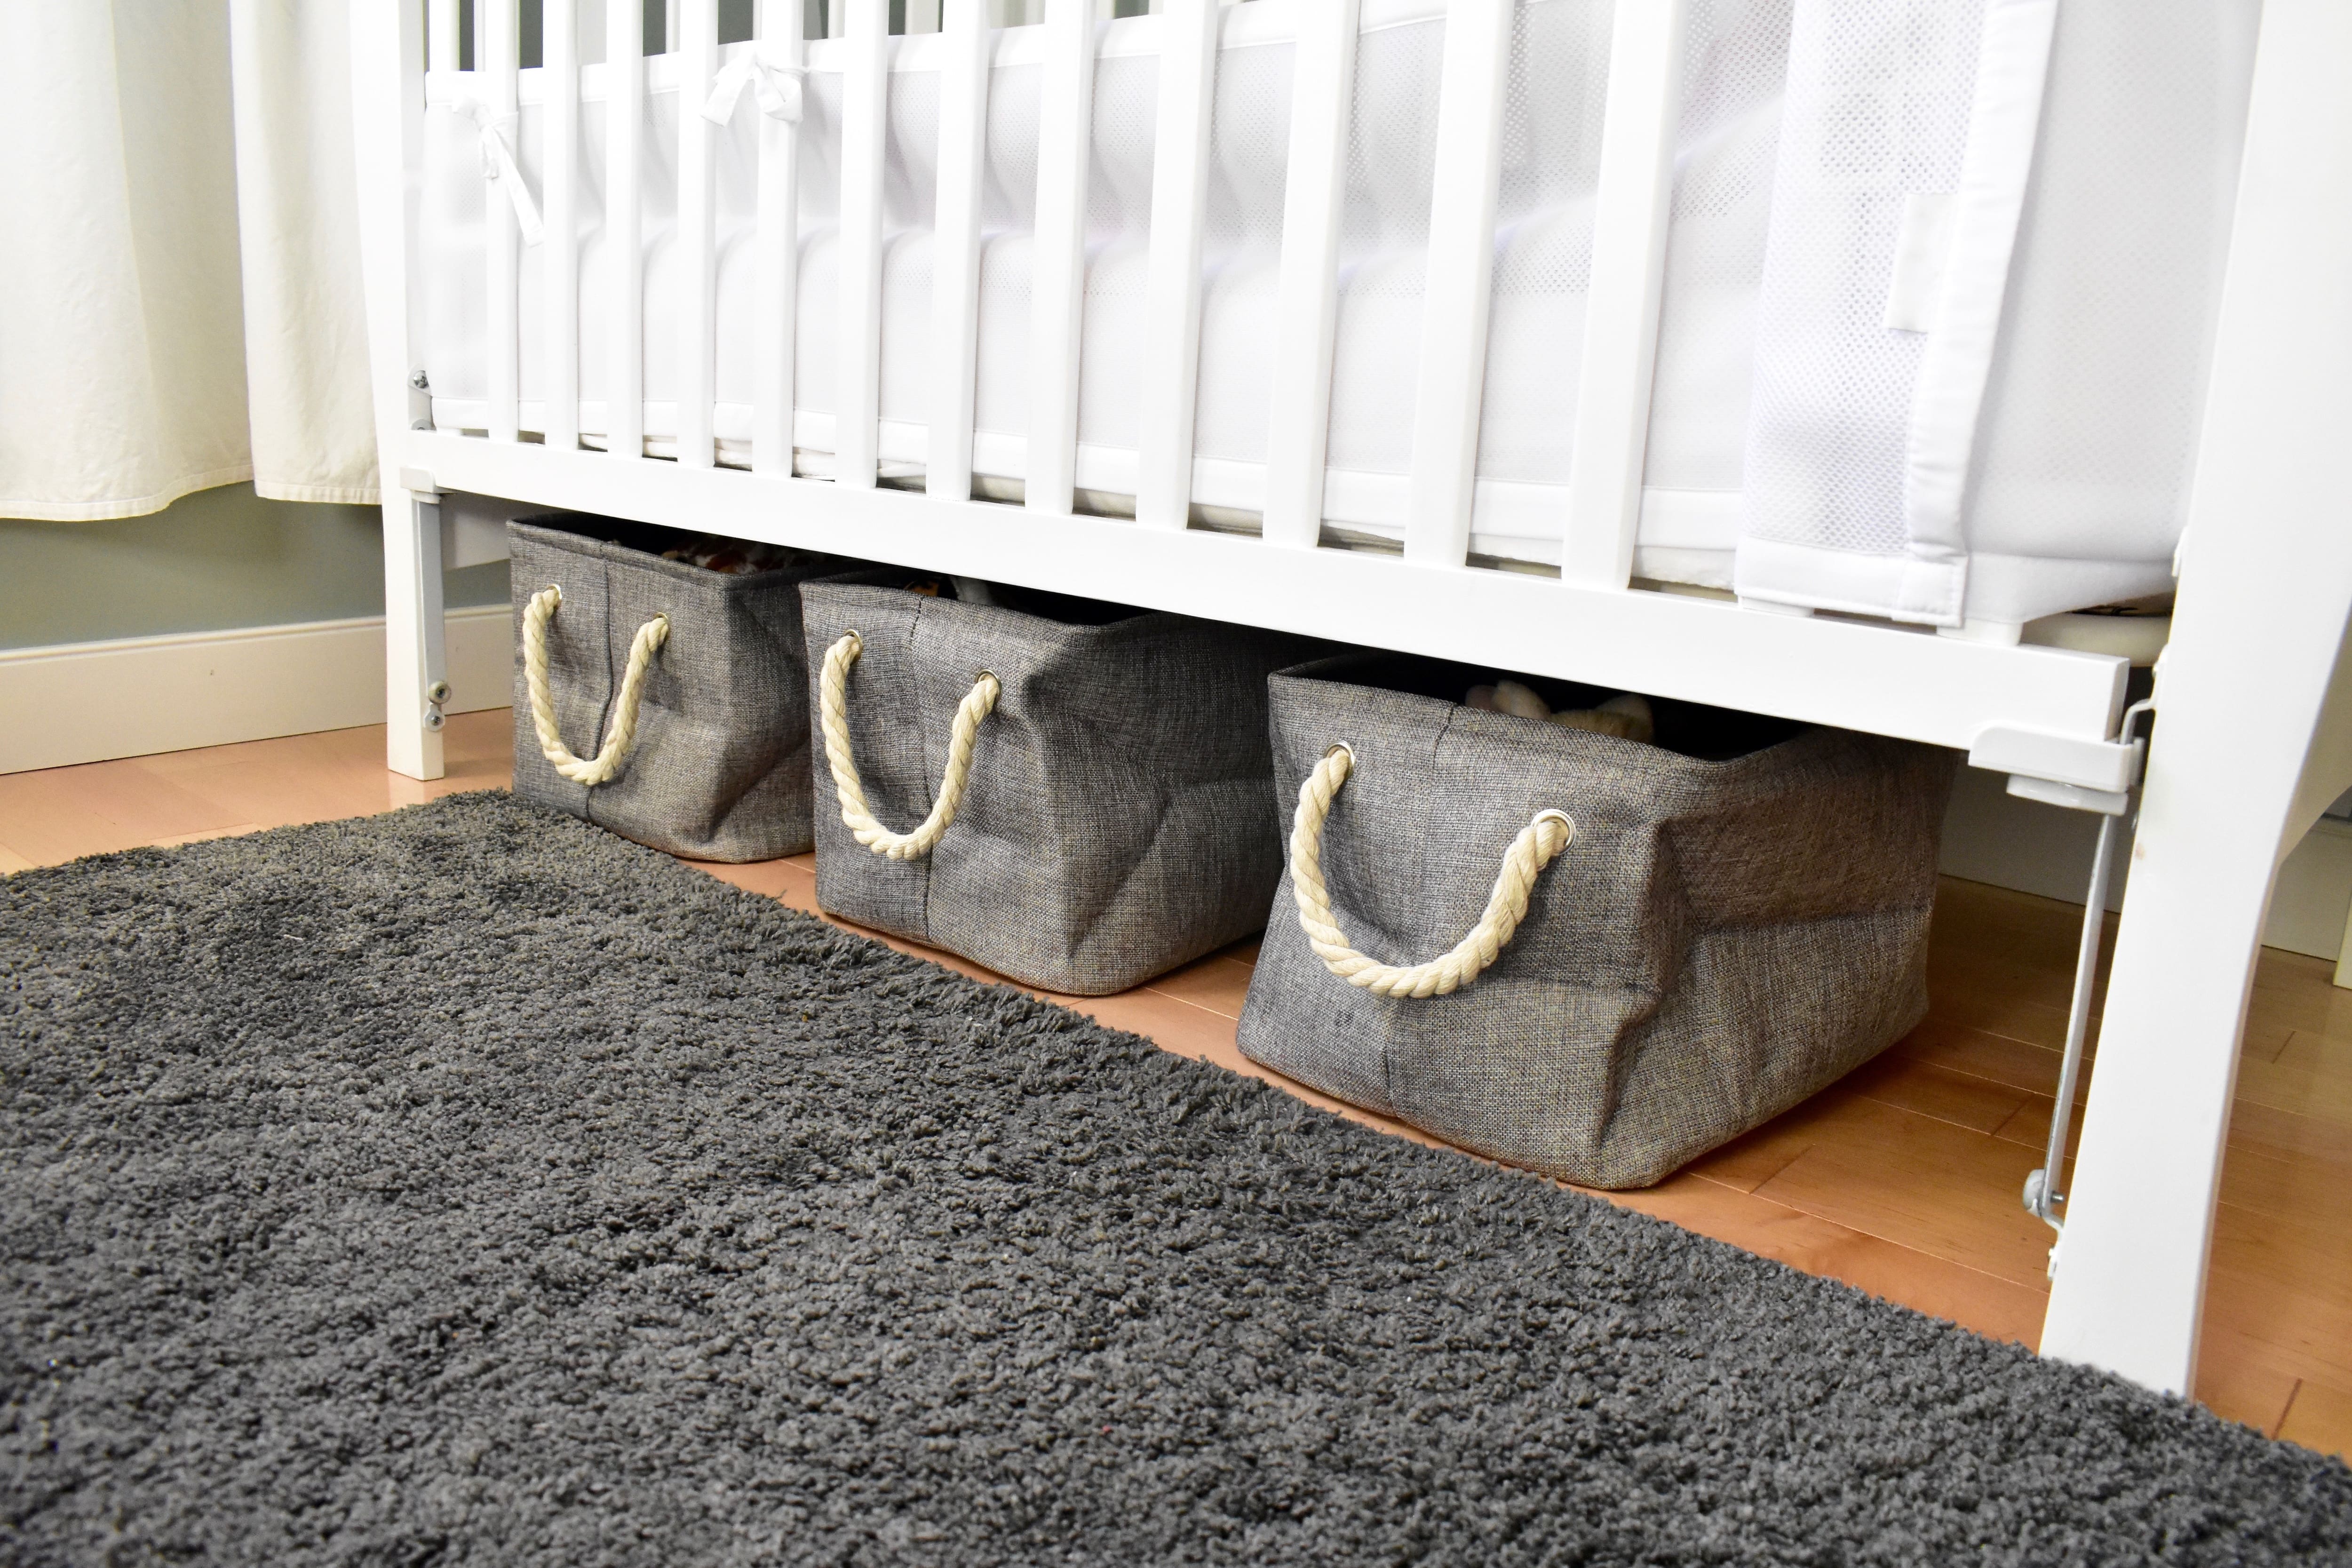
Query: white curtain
point(306, 362)
point(179, 279)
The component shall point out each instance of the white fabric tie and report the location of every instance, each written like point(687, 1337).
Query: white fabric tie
point(498, 166)
point(778, 88)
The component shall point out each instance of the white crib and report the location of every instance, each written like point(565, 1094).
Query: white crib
point(1403, 553)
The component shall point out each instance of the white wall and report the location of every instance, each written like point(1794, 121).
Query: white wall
point(1990, 836)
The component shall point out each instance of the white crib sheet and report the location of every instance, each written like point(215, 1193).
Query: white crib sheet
point(1557, 73)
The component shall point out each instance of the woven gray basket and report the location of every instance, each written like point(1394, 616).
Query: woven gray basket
point(712, 755)
point(1719, 935)
point(1110, 814)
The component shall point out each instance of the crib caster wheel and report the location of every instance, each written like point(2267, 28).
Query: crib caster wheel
point(432, 719)
point(438, 693)
point(2038, 1195)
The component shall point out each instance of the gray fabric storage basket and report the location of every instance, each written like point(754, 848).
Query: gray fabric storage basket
point(719, 766)
point(1718, 940)
point(1119, 816)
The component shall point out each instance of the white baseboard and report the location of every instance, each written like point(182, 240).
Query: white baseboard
point(87, 702)
point(2313, 892)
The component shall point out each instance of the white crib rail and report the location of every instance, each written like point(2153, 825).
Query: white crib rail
point(558, 264)
point(1629, 263)
point(1306, 298)
point(1172, 311)
point(697, 42)
point(857, 355)
point(500, 35)
point(955, 251)
point(624, 301)
point(776, 268)
point(1057, 278)
point(441, 46)
point(1461, 272)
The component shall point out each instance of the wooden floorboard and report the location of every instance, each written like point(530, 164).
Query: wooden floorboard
point(1902, 1180)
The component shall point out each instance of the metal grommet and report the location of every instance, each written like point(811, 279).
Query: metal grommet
point(1338, 746)
point(1564, 820)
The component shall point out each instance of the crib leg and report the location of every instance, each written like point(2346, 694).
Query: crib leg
point(416, 680)
point(2252, 720)
point(2129, 1268)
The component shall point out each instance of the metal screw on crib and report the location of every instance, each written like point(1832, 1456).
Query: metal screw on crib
point(438, 693)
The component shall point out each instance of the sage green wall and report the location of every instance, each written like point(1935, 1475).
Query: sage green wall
point(213, 561)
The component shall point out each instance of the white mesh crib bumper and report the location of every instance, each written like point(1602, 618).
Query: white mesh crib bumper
point(1970, 316)
point(1997, 241)
point(1557, 74)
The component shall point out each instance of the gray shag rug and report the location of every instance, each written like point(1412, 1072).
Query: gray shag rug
point(466, 1185)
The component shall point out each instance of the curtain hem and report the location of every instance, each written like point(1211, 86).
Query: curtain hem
point(140, 506)
point(332, 495)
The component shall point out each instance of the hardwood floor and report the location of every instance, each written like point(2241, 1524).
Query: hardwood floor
point(1901, 1180)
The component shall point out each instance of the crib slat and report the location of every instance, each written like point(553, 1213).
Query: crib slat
point(1298, 413)
point(955, 247)
point(696, 44)
point(1629, 265)
point(559, 258)
point(441, 36)
point(1171, 314)
point(776, 265)
point(625, 318)
point(1454, 302)
point(857, 359)
point(1065, 80)
point(499, 40)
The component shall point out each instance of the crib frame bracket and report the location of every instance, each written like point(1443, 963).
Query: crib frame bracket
point(2073, 797)
point(2094, 769)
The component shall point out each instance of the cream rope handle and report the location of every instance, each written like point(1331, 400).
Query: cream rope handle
point(832, 697)
point(1523, 862)
point(608, 762)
